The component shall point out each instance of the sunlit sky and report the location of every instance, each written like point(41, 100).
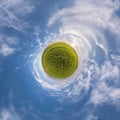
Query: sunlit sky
point(91, 27)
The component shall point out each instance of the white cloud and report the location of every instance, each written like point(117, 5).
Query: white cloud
point(17, 6)
point(87, 18)
point(106, 89)
point(12, 11)
point(6, 114)
point(89, 12)
point(116, 59)
point(5, 50)
point(91, 117)
point(8, 45)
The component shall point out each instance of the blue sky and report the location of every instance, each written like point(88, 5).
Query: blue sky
point(92, 28)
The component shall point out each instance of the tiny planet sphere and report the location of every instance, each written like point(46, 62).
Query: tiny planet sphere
point(59, 60)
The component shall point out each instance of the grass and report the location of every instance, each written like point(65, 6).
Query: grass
point(59, 60)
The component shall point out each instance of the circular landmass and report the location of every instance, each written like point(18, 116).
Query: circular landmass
point(59, 60)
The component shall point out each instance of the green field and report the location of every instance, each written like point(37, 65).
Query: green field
point(59, 60)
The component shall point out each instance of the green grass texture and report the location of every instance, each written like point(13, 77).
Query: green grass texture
point(59, 60)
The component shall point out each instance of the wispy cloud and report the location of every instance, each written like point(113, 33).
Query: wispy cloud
point(12, 12)
point(91, 13)
point(91, 117)
point(87, 16)
point(7, 114)
point(5, 50)
point(8, 45)
point(106, 89)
